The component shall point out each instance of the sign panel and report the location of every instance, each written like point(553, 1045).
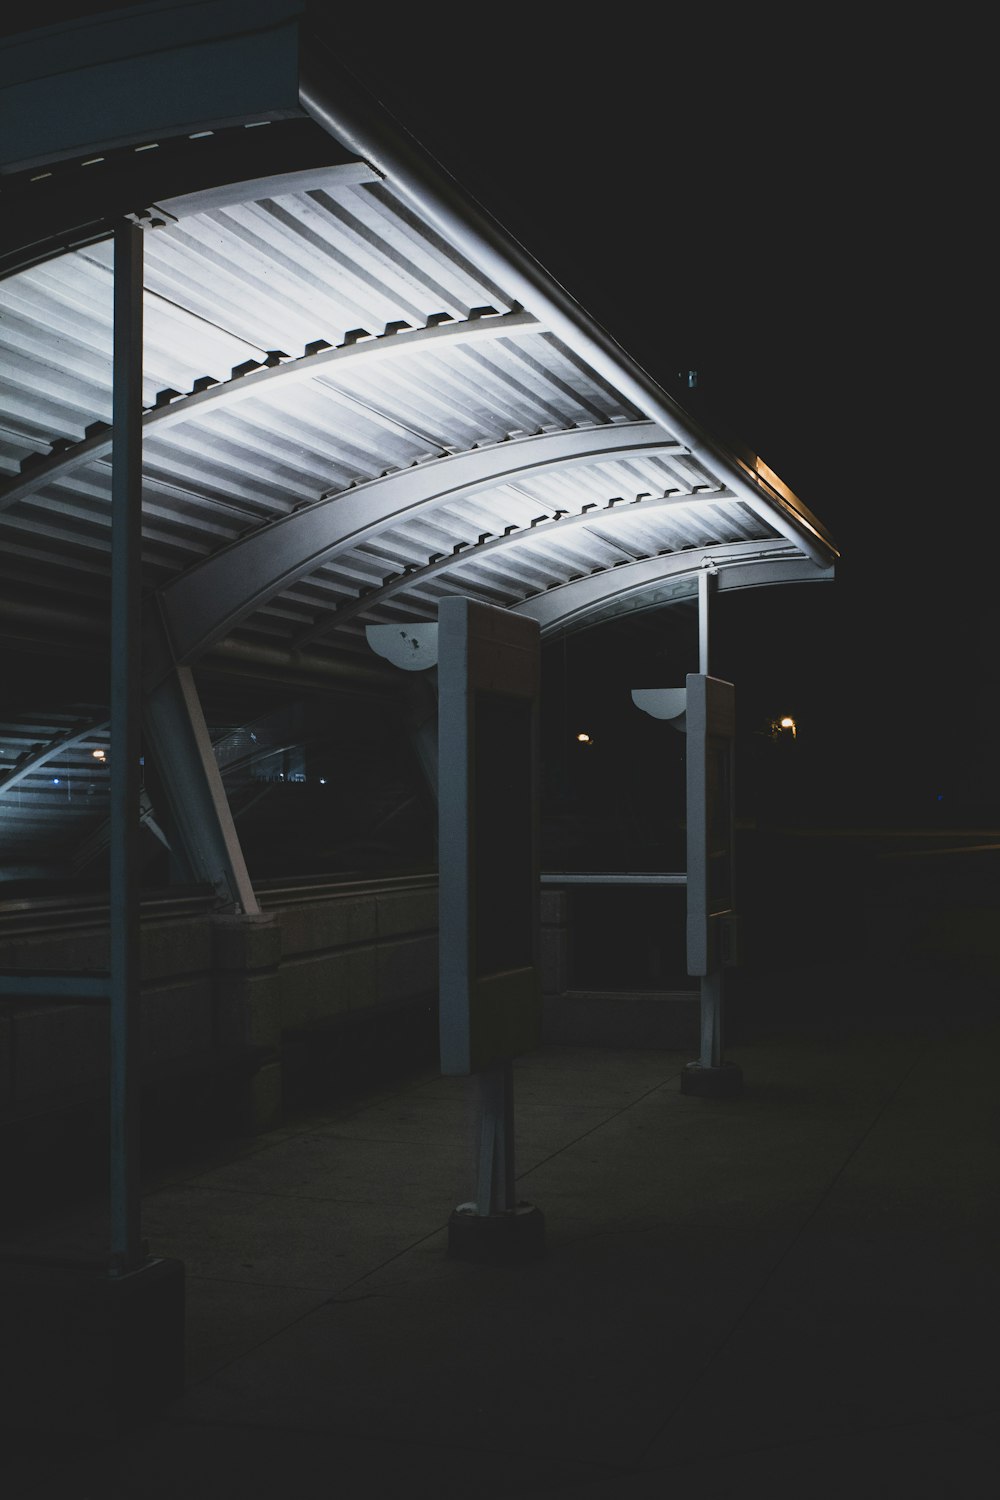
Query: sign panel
point(488, 822)
point(711, 729)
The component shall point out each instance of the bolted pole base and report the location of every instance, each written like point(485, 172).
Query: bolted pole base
point(722, 1082)
point(515, 1236)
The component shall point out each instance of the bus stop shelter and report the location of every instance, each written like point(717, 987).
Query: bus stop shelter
point(272, 381)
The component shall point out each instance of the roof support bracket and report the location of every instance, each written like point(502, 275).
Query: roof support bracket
point(177, 738)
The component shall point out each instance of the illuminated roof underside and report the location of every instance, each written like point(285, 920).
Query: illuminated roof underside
point(359, 397)
point(345, 420)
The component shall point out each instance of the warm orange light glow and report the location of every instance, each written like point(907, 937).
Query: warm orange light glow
point(787, 723)
point(98, 754)
point(584, 738)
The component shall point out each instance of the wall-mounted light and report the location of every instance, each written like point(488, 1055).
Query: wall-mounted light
point(583, 738)
point(412, 647)
point(663, 703)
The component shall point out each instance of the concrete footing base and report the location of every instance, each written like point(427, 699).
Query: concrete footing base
point(517, 1235)
point(87, 1353)
point(723, 1082)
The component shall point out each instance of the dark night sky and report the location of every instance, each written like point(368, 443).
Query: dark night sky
point(801, 225)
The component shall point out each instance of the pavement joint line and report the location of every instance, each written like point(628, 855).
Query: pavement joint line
point(338, 1298)
point(615, 1114)
point(277, 1286)
point(243, 1192)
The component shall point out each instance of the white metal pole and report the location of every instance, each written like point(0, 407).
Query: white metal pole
point(495, 1188)
point(704, 585)
point(711, 984)
point(711, 1019)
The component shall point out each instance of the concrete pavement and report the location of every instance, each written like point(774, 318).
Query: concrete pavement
point(791, 1293)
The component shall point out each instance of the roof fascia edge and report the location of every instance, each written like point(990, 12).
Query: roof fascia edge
point(150, 71)
point(338, 102)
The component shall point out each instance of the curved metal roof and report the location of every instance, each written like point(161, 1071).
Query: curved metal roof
point(359, 396)
point(346, 418)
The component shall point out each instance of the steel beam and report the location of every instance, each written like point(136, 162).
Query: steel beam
point(517, 536)
point(330, 179)
point(342, 362)
point(203, 604)
point(62, 986)
point(571, 605)
point(40, 757)
point(177, 738)
point(614, 877)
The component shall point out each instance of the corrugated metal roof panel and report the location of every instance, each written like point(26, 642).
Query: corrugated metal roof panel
point(353, 408)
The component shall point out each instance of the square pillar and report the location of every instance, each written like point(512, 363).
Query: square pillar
point(246, 953)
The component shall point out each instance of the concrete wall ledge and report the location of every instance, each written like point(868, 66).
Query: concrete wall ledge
point(227, 1005)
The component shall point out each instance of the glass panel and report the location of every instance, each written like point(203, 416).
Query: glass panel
point(323, 786)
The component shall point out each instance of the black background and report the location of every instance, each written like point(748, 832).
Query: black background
point(800, 218)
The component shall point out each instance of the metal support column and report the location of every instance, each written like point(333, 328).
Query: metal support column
point(704, 589)
point(488, 900)
point(495, 1186)
point(711, 728)
point(711, 984)
point(177, 738)
point(710, 1052)
point(127, 1252)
